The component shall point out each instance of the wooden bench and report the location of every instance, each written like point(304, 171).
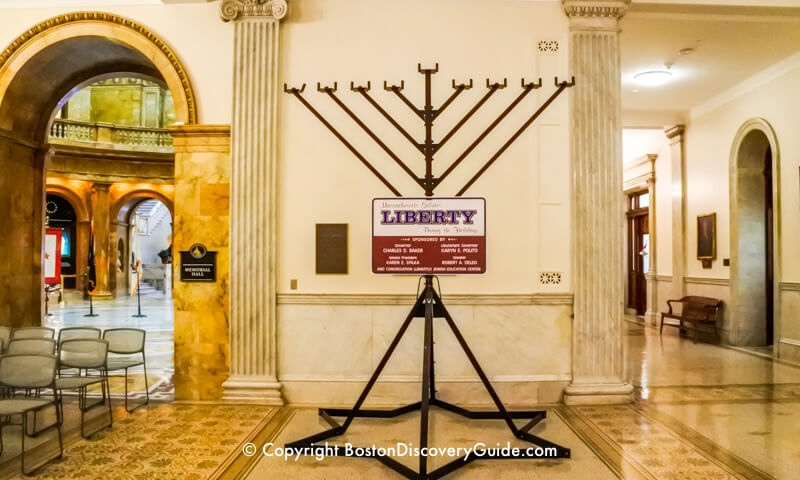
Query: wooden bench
point(697, 313)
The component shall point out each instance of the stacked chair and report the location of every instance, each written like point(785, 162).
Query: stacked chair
point(29, 372)
point(36, 367)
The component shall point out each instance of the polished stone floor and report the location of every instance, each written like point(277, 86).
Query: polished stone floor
point(701, 412)
point(118, 313)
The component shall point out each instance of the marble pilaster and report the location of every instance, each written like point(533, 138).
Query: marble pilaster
point(21, 255)
point(675, 135)
point(253, 335)
point(651, 315)
point(202, 212)
point(101, 224)
point(596, 211)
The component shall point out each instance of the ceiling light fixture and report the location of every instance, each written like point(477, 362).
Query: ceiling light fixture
point(653, 78)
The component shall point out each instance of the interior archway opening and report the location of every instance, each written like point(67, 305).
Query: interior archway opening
point(753, 249)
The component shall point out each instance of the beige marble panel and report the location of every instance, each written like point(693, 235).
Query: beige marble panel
point(21, 204)
point(202, 349)
point(790, 314)
point(524, 349)
point(324, 341)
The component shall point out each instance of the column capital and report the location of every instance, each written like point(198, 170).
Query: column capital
point(595, 14)
point(676, 131)
point(264, 9)
point(101, 186)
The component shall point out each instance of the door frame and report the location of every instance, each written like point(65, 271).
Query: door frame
point(640, 175)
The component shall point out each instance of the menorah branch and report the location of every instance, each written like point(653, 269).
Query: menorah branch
point(296, 93)
point(561, 87)
point(371, 134)
point(390, 119)
point(527, 88)
point(475, 108)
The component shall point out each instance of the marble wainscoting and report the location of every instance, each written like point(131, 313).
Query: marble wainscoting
point(789, 341)
point(664, 292)
point(202, 205)
point(329, 345)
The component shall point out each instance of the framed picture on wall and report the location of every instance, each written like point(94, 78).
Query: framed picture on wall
point(707, 238)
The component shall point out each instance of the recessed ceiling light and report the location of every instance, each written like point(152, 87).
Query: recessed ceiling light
point(653, 78)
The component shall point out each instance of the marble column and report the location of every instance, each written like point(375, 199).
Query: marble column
point(596, 211)
point(253, 339)
point(101, 224)
point(651, 315)
point(675, 136)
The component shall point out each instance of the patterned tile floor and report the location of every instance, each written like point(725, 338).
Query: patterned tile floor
point(166, 441)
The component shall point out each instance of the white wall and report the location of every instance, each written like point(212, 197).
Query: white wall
point(527, 190)
point(709, 139)
point(202, 42)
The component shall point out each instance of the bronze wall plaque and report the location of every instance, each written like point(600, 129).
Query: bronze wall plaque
point(331, 248)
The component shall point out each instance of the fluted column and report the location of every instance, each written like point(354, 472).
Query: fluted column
point(596, 211)
point(253, 337)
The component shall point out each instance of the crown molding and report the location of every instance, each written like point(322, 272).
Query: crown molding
point(746, 86)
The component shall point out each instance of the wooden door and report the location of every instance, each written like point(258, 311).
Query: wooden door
point(638, 252)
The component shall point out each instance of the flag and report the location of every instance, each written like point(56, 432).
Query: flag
point(91, 276)
point(136, 257)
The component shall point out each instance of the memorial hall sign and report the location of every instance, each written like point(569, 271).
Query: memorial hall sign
point(198, 264)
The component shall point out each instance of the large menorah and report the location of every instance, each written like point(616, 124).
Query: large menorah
point(429, 304)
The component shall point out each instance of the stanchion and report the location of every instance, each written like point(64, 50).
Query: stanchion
point(91, 308)
point(139, 301)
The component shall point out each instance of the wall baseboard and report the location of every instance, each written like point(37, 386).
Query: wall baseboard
point(707, 281)
point(789, 286)
point(339, 394)
point(405, 299)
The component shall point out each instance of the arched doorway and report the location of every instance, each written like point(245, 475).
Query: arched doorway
point(61, 214)
point(37, 70)
point(755, 245)
point(151, 215)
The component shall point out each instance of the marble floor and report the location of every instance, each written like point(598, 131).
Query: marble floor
point(117, 313)
point(701, 411)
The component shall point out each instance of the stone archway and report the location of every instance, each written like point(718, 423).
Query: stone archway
point(120, 213)
point(754, 145)
point(36, 71)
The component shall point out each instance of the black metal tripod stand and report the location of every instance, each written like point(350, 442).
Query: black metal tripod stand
point(429, 305)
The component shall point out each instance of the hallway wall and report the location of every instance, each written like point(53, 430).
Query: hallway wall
point(771, 95)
